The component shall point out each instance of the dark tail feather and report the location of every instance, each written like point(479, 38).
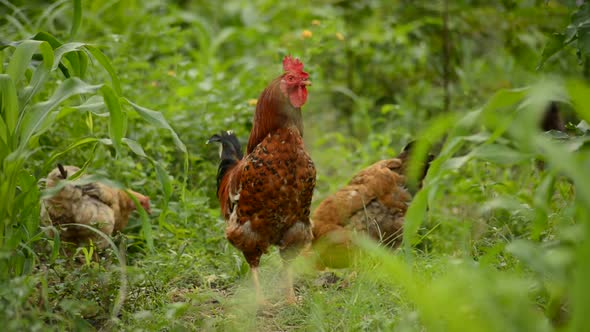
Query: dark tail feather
point(552, 119)
point(406, 153)
point(230, 153)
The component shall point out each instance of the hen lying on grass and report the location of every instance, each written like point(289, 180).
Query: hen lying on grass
point(94, 204)
point(265, 196)
point(374, 202)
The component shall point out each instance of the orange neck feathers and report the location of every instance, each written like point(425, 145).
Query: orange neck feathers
point(273, 111)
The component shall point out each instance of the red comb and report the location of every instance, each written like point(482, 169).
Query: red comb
point(292, 64)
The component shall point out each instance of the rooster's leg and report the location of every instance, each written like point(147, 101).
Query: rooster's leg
point(259, 296)
point(291, 299)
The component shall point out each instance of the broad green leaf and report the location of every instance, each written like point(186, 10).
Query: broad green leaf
point(158, 120)
point(76, 55)
point(164, 180)
point(20, 60)
point(95, 105)
point(9, 110)
point(44, 36)
point(37, 114)
point(39, 76)
point(77, 18)
point(66, 49)
point(116, 118)
point(414, 217)
point(106, 64)
point(135, 147)
point(505, 98)
point(3, 137)
point(146, 226)
point(45, 125)
point(83, 64)
point(56, 243)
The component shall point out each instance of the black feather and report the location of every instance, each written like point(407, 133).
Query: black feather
point(62, 171)
point(231, 153)
point(552, 119)
point(407, 151)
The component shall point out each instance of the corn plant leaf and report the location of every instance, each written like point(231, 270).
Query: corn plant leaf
point(414, 218)
point(164, 180)
point(34, 118)
point(76, 19)
point(44, 36)
point(64, 49)
point(9, 106)
point(158, 120)
point(20, 60)
point(135, 147)
point(106, 64)
point(3, 136)
point(116, 117)
point(146, 226)
point(39, 76)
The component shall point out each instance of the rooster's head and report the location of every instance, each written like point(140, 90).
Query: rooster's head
point(294, 81)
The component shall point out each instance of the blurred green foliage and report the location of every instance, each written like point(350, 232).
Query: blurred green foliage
point(493, 242)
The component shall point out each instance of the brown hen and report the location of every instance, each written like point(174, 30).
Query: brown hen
point(374, 202)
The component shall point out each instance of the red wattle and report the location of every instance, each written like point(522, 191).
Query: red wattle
point(298, 97)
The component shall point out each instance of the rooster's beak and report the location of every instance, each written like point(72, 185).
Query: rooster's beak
point(306, 82)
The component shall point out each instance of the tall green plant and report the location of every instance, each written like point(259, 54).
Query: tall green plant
point(30, 103)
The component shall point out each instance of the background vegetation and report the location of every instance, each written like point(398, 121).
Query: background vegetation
point(133, 89)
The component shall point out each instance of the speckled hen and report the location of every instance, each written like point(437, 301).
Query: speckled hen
point(265, 196)
point(94, 204)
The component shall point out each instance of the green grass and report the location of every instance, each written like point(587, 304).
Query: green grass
point(131, 91)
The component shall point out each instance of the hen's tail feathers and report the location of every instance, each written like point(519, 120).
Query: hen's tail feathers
point(230, 153)
point(62, 171)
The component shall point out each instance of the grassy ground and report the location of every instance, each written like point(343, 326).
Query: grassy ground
point(498, 248)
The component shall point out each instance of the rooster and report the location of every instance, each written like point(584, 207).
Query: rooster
point(265, 196)
point(374, 202)
point(94, 204)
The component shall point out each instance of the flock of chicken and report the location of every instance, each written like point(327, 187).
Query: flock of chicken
point(264, 195)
